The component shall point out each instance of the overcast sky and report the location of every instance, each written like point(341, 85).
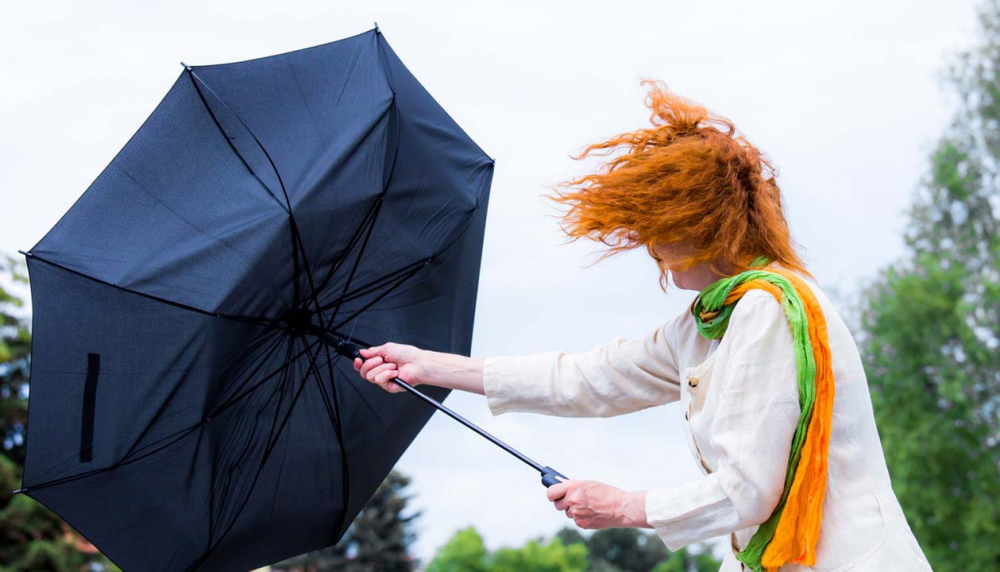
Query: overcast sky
point(845, 98)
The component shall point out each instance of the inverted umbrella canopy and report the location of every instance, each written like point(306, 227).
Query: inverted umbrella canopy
point(190, 408)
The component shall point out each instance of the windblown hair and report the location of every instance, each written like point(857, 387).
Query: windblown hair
point(690, 179)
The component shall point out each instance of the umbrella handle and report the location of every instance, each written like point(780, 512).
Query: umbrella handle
point(549, 477)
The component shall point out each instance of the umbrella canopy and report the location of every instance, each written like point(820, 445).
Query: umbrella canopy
point(187, 409)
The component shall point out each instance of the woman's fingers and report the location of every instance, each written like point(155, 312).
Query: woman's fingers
point(557, 491)
point(383, 373)
point(373, 351)
point(371, 364)
point(385, 381)
point(378, 371)
point(380, 364)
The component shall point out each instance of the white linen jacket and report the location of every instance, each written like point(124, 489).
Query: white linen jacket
point(740, 400)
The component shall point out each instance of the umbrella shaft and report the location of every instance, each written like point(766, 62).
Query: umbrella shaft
point(444, 409)
point(351, 350)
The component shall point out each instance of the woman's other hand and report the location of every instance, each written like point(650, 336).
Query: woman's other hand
point(594, 505)
point(380, 364)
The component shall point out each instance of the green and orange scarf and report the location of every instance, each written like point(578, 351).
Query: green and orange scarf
point(791, 532)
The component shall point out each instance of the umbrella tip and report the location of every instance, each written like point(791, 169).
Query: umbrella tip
point(26, 254)
point(19, 491)
point(377, 31)
point(187, 67)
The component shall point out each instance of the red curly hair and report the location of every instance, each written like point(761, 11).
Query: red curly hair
point(689, 179)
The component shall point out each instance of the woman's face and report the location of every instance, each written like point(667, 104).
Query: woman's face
point(695, 278)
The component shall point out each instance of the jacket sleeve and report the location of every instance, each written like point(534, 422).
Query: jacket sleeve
point(619, 377)
point(756, 416)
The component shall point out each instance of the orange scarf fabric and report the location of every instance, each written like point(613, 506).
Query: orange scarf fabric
point(791, 532)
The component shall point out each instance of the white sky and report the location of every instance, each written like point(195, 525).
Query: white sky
point(844, 97)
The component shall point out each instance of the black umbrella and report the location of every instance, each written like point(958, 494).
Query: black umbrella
point(189, 408)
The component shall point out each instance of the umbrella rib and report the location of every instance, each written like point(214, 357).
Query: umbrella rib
point(373, 285)
point(326, 400)
point(260, 469)
point(350, 246)
point(369, 221)
point(309, 276)
point(361, 251)
point(263, 149)
point(242, 380)
point(247, 350)
point(157, 415)
point(421, 264)
point(279, 389)
point(383, 294)
point(181, 217)
point(160, 444)
point(293, 227)
point(233, 400)
point(215, 514)
point(345, 474)
point(312, 297)
point(378, 207)
point(229, 141)
point(418, 265)
point(264, 322)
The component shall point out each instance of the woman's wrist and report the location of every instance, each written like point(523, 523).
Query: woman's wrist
point(632, 510)
point(451, 371)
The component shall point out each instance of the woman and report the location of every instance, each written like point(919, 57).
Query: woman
point(771, 385)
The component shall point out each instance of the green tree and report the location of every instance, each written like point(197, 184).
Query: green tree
point(626, 549)
point(930, 331)
point(464, 552)
point(632, 550)
point(684, 561)
point(611, 550)
point(377, 541)
point(538, 557)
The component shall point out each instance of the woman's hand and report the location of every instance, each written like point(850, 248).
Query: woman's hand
point(384, 362)
point(379, 364)
point(596, 505)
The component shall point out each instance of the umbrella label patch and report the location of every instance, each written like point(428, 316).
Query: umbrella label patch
point(89, 402)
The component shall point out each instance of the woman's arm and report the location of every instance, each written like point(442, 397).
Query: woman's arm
point(619, 377)
point(416, 366)
point(751, 431)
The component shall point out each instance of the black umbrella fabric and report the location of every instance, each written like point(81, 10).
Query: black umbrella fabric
point(189, 408)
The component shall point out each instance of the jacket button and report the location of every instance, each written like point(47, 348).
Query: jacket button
point(693, 382)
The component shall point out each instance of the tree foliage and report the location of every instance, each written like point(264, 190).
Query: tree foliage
point(465, 551)
point(611, 550)
point(15, 352)
point(536, 556)
point(626, 549)
point(931, 331)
